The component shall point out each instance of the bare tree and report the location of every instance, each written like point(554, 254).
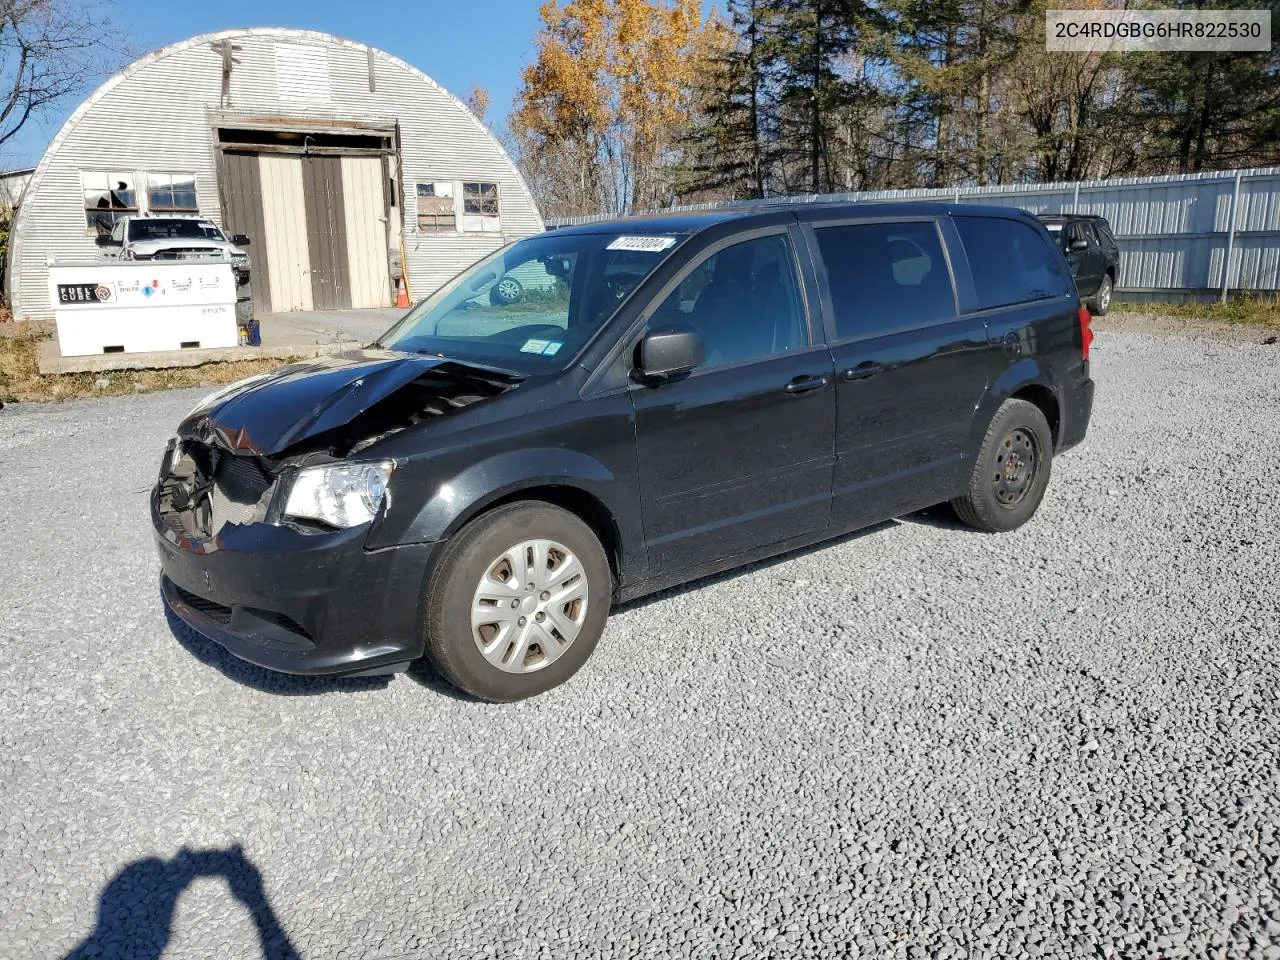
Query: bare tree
point(50, 50)
point(478, 101)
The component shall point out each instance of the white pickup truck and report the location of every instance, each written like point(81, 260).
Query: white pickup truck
point(174, 237)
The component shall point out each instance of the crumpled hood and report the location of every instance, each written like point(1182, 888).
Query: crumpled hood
point(265, 416)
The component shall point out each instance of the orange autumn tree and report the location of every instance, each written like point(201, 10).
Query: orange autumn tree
point(603, 107)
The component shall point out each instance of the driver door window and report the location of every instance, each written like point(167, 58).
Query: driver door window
point(743, 301)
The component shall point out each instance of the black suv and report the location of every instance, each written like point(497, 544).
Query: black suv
point(1092, 254)
point(686, 393)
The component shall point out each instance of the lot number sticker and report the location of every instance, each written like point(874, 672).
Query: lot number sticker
point(643, 244)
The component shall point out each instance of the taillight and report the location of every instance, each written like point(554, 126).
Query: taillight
point(1086, 332)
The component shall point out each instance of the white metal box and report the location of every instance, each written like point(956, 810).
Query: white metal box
point(142, 306)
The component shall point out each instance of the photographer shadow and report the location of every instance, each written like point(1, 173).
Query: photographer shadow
point(135, 910)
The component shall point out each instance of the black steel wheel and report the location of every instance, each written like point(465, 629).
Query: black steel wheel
point(1011, 471)
point(1017, 460)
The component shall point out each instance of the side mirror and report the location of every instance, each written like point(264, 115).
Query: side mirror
point(1079, 245)
point(556, 266)
point(240, 240)
point(669, 351)
point(106, 240)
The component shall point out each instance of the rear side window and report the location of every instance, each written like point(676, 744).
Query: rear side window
point(1010, 260)
point(885, 277)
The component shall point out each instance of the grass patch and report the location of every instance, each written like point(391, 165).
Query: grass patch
point(1259, 310)
point(21, 379)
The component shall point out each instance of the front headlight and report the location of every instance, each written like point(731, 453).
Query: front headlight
point(339, 494)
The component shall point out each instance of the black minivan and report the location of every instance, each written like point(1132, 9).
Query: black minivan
point(668, 396)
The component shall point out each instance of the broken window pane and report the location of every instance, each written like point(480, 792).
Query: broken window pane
point(480, 199)
point(107, 197)
point(435, 208)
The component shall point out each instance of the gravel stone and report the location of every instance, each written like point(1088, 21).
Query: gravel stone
point(916, 742)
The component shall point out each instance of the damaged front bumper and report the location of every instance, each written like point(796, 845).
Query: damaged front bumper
point(296, 601)
point(289, 593)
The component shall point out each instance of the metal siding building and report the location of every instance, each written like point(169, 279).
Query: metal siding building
point(308, 143)
point(1177, 234)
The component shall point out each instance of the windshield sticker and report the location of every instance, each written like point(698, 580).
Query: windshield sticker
point(1053, 227)
point(534, 346)
point(643, 244)
point(553, 348)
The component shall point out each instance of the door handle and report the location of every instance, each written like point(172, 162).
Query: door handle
point(862, 371)
point(805, 384)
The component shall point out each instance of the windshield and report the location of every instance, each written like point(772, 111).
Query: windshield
point(173, 230)
point(532, 305)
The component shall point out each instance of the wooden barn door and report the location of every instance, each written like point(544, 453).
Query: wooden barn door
point(326, 232)
point(364, 197)
point(242, 213)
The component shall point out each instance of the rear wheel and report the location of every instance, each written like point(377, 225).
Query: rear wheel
point(1100, 303)
point(518, 602)
point(1011, 472)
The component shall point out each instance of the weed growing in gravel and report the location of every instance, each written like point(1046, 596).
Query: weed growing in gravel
point(21, 379)
point(1254, 309)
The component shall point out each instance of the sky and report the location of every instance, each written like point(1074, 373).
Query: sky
point(458, 43)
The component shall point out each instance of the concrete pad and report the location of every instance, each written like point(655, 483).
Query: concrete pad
point(51, 362)
point(322, 326)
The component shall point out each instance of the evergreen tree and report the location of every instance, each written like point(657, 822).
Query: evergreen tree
point(733, 144)
point(1205, 110)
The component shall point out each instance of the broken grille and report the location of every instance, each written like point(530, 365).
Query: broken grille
point(210, 488)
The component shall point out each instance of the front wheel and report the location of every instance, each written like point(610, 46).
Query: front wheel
point(1011, 472)
point(518, 602)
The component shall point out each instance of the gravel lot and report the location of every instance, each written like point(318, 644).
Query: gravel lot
point(918, 742)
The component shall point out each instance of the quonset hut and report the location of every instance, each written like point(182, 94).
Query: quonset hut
point(331, 156)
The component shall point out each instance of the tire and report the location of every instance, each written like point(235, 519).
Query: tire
point(1018, 428)
point(475, 561)
point(1100, 302)
point(505, 291)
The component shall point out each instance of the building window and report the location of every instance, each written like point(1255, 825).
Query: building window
point(171, 192)
point(480, 199)
point(107, 197)
point(435, 208)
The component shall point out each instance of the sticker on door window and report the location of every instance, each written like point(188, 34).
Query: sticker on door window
point(643, 244)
